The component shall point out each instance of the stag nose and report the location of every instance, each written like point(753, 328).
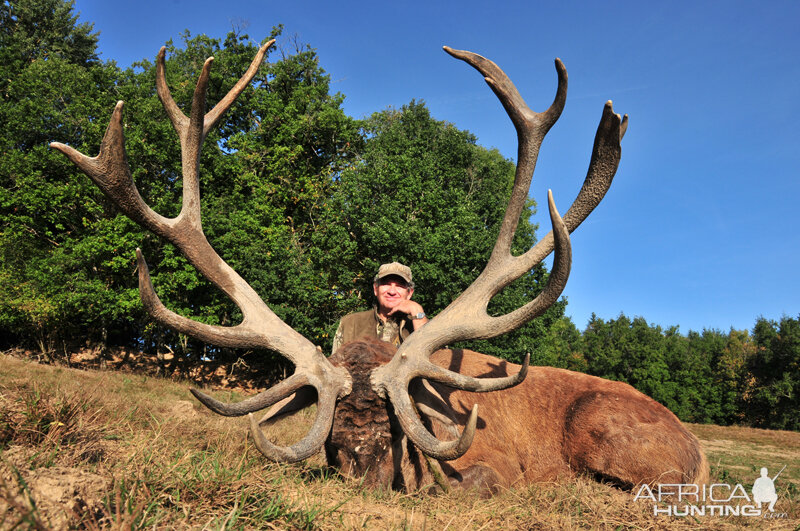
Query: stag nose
point(378, 472)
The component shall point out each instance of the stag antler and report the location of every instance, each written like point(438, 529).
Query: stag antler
point(467, 317)
point(260, 327)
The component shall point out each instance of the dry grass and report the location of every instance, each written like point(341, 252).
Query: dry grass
point(96, 450)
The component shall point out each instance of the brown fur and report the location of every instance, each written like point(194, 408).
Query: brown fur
point(555, 423)
point(361, 437)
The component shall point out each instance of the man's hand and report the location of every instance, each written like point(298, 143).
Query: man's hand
point(411, 309)
point(407, 307)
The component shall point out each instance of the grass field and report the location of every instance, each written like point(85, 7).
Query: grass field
point(97, 450)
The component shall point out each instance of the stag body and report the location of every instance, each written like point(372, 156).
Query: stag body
point(369, 398)
point(553, 424)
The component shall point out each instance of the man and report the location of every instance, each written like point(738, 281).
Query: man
point(392, 319)
point(394, 315)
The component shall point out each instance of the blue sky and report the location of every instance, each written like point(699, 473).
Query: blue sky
point(700, 228)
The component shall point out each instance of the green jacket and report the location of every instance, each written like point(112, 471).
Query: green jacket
point(367, 324)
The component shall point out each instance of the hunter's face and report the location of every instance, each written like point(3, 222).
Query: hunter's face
point(390, 291)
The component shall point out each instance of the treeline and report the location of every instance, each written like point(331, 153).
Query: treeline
point(304, 202)
point(735, 377)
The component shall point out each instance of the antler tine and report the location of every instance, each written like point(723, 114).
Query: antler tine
point(308, 445)
point(110, 172)
point(211, 118)
point(260, 327)
point(192, 130)
point(509, 96)
point(606, 154)
point(531, 129)
point(178, 119)
point(242, 335)
point(258, 402)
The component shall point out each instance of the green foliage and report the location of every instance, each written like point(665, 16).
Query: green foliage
point(41, 30)
point(629, 351)
point(713, 377)
point(561, 347)
point(699, 377)
point(774, 397)
point(707, 377)
point(52, 87)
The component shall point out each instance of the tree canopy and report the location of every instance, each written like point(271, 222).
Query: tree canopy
point(51, 85)
point(774, 398)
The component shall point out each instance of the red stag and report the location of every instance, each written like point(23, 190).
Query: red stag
point(395, 416)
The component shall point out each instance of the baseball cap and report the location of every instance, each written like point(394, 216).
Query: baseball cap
point(395, 268)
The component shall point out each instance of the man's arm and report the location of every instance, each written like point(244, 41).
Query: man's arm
point(412, 309)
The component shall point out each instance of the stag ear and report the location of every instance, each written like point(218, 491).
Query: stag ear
point(293, 403)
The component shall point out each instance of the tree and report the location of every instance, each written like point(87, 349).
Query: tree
point(39, 30)
point(629, 351)
point(701, 377)
point(563, 347)
point(773, 398)
point(731, 372)
point(51, 86)
point(425, 194)
point(692, 363)
point(711, 375)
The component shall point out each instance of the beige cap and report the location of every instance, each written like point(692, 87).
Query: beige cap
point(395, 268)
